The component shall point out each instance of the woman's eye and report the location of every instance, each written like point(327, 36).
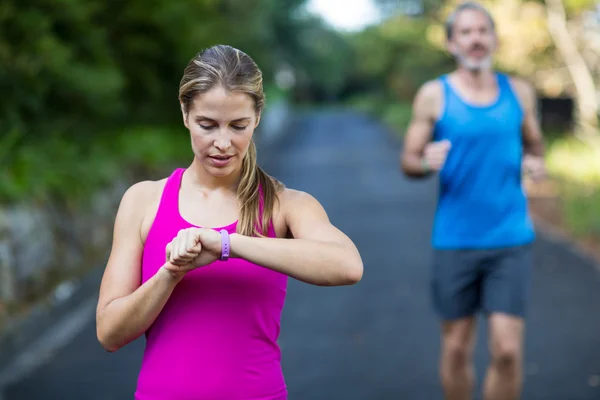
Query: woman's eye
point(207, 127)
point(239, 128)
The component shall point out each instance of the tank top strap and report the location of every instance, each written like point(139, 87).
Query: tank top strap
point(169, 200)
point(447, 96)
point(507, 91)
point(444, 80)
point(505, 85)
point(503, 81)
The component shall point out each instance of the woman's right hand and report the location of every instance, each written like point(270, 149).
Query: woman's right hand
point(186, 252)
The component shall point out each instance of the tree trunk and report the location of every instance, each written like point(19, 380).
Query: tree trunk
point(586, 100)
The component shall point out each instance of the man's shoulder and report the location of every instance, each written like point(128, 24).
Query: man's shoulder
point(519, 83)
point(523, 88)
point(429, 93)
point(431, 88)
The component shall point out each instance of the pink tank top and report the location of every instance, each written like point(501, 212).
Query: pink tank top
point(216, 337)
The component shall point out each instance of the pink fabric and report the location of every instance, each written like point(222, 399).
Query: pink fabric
point(216, 338)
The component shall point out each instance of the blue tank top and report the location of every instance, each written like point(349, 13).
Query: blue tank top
point(481, 202)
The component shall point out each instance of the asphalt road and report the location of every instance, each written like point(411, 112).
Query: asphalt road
point(378, 339)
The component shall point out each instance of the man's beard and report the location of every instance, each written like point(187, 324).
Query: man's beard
point(474, 66)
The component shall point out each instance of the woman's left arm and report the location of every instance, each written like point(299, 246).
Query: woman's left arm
point(319, 253)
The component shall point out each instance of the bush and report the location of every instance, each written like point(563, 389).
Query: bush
point(575, 167)
point(55, 168)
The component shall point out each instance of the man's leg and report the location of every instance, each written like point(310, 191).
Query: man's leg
point(505, 294)
point(455, 289)
point(504, 377)
point(456, 364)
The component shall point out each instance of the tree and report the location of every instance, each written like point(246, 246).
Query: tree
point(586, 100)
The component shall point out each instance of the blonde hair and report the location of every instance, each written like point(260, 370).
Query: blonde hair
point(236, 71)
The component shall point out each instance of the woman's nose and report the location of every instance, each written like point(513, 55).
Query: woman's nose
point(223, 141)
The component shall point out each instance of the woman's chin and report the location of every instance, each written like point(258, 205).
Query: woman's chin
point(219, 172)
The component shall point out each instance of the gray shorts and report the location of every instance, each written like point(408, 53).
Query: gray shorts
point(467, 281)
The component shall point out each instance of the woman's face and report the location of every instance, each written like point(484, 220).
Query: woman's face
point(221, 124)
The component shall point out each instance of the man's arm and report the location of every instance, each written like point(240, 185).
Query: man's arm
point(533, 141)
point(420, 130)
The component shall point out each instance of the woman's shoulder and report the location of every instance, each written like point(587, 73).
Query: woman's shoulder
point(289, 194)
point(143, 200)
point(294, 200)
point(144, 191)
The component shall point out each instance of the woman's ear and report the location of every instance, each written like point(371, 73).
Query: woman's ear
point(184, 115)
point(257, 120)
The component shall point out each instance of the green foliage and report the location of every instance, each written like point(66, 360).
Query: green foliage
point(575, 166)
point(575, 7)
point(328, 56)
point(152, 146)
point(391, 61)
point(66, 62)
point(580, 206)
point(88, 86)
point(395, 58)
point(397, 116)
point(54, 168)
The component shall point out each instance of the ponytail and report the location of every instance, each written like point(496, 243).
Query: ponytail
point(257, 192)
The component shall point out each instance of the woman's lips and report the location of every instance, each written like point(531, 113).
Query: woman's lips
point(220, 161)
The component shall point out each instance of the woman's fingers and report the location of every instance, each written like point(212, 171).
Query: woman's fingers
point(194, 246)
point(181, 244)
point(184, 248)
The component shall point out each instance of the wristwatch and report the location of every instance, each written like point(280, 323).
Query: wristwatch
point(225, 245)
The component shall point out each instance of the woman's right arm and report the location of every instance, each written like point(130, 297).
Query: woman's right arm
point(126, 309)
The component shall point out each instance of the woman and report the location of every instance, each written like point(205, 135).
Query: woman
point(200, 259)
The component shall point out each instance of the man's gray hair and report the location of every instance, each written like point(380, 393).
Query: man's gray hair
point(469, 5)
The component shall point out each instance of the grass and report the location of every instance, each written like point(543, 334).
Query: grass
point(575, 169)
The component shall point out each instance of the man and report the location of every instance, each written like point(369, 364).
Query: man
point(478, 129)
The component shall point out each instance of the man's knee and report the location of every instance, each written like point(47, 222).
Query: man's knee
point(458, 342)
point(457, 354)
point(506, 353)
point(506, 341)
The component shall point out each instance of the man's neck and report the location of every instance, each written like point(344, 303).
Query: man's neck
point(481, 79)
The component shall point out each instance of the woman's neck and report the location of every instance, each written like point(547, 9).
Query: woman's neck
point(199, 177)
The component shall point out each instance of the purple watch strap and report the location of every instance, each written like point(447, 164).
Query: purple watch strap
point(225, 245)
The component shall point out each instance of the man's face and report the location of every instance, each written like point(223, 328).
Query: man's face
point(473, 40)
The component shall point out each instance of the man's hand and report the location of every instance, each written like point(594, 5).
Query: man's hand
point(435, 154)
point(534, 167)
